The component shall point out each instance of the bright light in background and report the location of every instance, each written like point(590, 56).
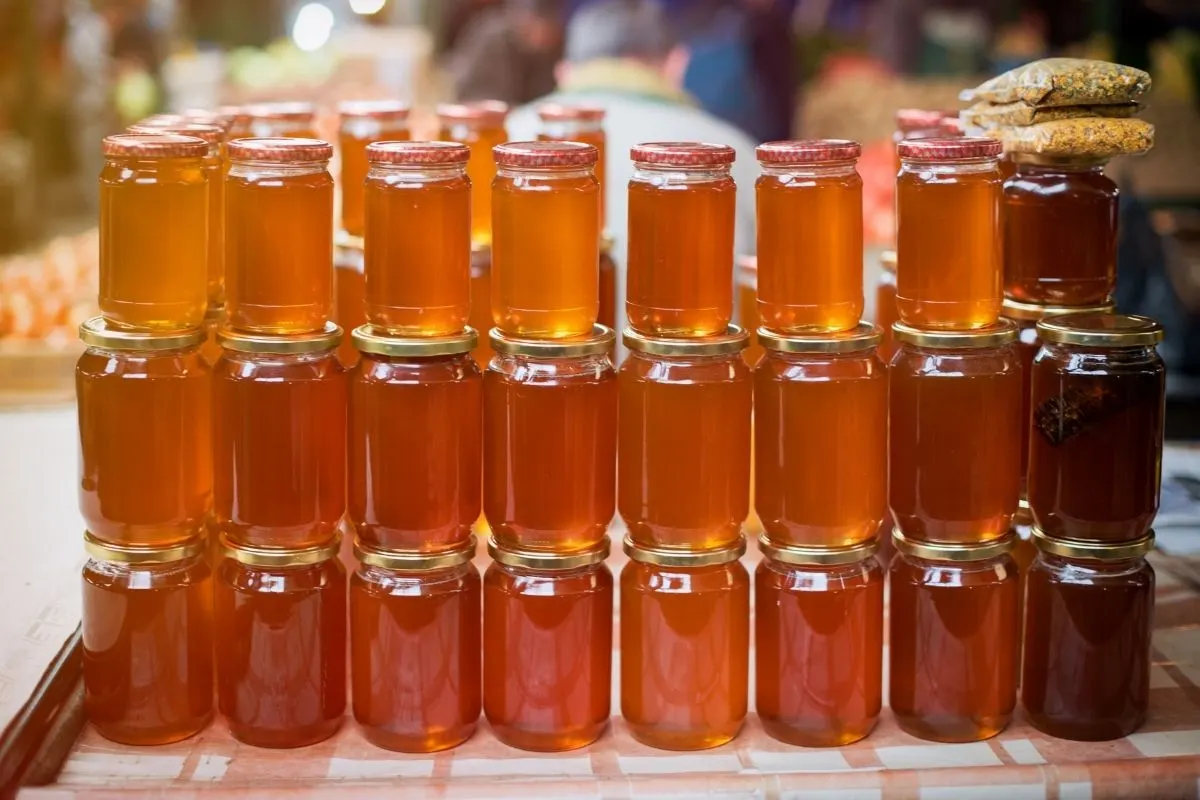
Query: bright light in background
point(367, 7)
point(313, 26)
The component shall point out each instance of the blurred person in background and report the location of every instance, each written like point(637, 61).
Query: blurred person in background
point(506, 50)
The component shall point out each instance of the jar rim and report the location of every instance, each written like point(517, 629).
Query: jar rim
point(98, 332)
point(281, 344)
point(414, 561)
point(545, 154)
point(280, 149)
point(549, 561)
point(598, 343)
point(683, 154)
point(153, 145)
point(1094, 550)
point(948, 551)
point(373, 339)
point(1032, 312)
point(212, 134)
point(253, 556)
point(807, 151)
point(802, 555)
point(856, 340)
point(1001, 333)
point(1096, 329)
point(734, 340)
point(137, 554)
point(678, 557)
point(418, 154)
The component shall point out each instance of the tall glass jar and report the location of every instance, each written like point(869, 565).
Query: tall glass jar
point(480, 126)
point(577, 123)
point(349, 292)
point(289, 119)
point(361, 122)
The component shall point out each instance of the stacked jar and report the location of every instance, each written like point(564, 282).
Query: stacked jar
point(145, 476)
point(820, 452)
point(279, 450)
point(954, 449)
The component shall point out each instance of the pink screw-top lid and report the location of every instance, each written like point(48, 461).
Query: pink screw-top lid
point(683, 154)
point(808, 151)
point(213, 134)
point(557, 112)
point(154, 145)
point(545, 154)
point(281, 150)
point(373, 109)
point(418, 153)
point(949, 148)
point(484, 112)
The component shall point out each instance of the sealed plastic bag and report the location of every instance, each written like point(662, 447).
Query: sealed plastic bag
point(990, 115)
point(1088, 137)
point(1063, 82)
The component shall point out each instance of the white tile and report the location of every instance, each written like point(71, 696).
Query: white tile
point(931, 756)
point(1023, 751)
point(1020, 791)
point(669, 765)
point(1075, 791)
point(482, 767)
point(1167, 743)
point(211, 768)
point(110, 768)
point(816, 760)
point(358, 768)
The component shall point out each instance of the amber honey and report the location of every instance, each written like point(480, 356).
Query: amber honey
point(607, 315)
point(681, 221)
point(279, 236)
point(578, 123)
point(747, 307)
point(685, 638)
point(418, 237)
point(154, 234)
point(885, 305)
point(289, 119)
point(362, 122)
point(349, 293)
point(480, 126)
point(210, 351)
point(481, 302)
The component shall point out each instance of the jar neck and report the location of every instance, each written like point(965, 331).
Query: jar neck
point(249, 167)
point(1074, 168)
point(963, 166)
point(417, 173)
point(510, 362)
point(1111, 355)
point(151, 164)
point(804, 358)
point(276, 358)
point(828, 169)
point(544, 173)
point(1098, 568)
point(686, 359)
point(664, 173)
point(143, 355)
point(376, 574)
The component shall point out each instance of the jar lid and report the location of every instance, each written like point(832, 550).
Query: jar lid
point(288, 110)
point(864, 337)
point(371, 339)
point(559, 112)
point(547, 560)
point(733, 340)
point(97, 332)
point(154, 145)
point(821, 556)
point(942, 551)
point(951, 126)
point(127, 554)
point(281, 557)
point(808, 151)
point(418, 154)
point(683, 154)
point(222, 117)
point(373, 109)
point(600, 342)
point(281, 344)
point(212, 134)
point(545, 154)
point(915, 119)
point(668, 557)
point(410, 561)
point(887, 261)
point(1097, 329)
point(949, 148)
point(1003, 332)
point(1093, 551)
point(282, 150)
point(488, 112)
point(1032, 312)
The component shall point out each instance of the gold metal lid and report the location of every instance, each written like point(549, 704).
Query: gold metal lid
point(1097, 329)
point(280, 557)
point(942, 551)
point(864, 337)
point(126, 554)
point(1093, 551)
point(667, 557)
point(822, 556)
point(97, 332)
point(282, 344)
point(733, 340)
point(549, 561)
point(887, 261)
point(408, 561)
point(370, 339)
point(599, 343)
point(1003, 332)
point(347, 240)
point(1032, 312)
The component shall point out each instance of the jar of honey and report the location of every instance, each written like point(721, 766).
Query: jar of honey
point(361, 122)
point(145, 463)
point(281, 652)
point(147, 633)
point(818, 643)
point(684, 450)
point(480, 126)
point(154, 211)
point(349, 292)
point(550, 442)
point(1088, 626)
point(953, 639)
point(290, 119)
point(279, 439)
point(1046, 197)
point(681, 221)
point(1096, 436)
point(607, 315)
point(415, 452)
point(415, 647)
point(685, 639)
point(547, 647)
point(418, 237)
point(886, 314)
point(810, 236)
point(955, 433)
point(821, 406)
point(545, 239)
point(577, 123)
point(279, 236)
point(948, 233)
point(916, 123)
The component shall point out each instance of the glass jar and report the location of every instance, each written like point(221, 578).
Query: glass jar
point(349, 292)
point(955, 433)
point(681, 222)
point(415, 452)
point(1090, 616)
point(547, 647)
point(281, 655)
point(820, 435)
point(361, 122)
point(948, 233)
point(684, 449)
point(818, 643)
point(1045, 198)
point(290, 119)
point(607, 315)
point(1096, 439)
point(578, 123)
point(279, 439)
point(418, 240)
point(145, 463)
point(480, 126)
point(415, 648)
point(886, 314)
point(746, 313)
point(916, 123)
point(550, 442)
point(810, 236)
point(279, 236)
point(154, 211)
point(953, 639)
point(481, 304)
point(545, 239)
point(685, 645)
point(147, 635)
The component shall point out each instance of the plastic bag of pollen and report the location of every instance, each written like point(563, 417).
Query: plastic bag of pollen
point(990, 115)
point(1063, 82)
point(1088, 137)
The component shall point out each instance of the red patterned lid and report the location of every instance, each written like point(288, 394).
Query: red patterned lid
point(916, 119)
point(280, 150)
point(951, 126)
point(808, 151)
point(545, 154)
point(491, 112)
point(418, 153)
point(949, 149)
point(683, 154)
point(213, 134)
point(557, 112)
point(154, 145)
point(373, 109)
point(290, 110)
